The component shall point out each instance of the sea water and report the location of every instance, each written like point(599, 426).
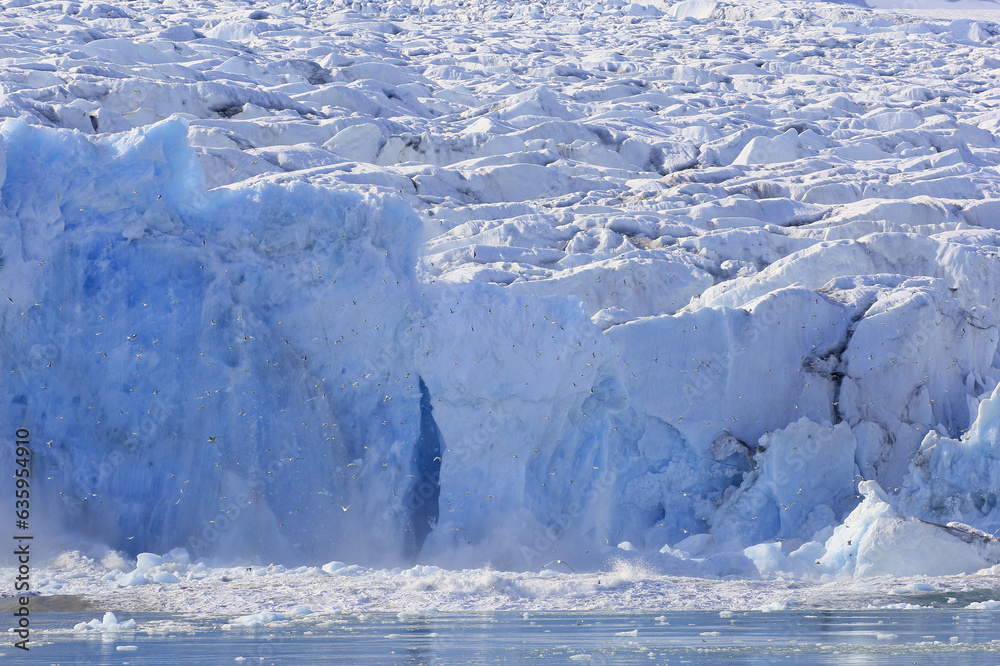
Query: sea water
point(834, 637)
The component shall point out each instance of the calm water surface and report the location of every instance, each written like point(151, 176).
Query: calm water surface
point(832, 637)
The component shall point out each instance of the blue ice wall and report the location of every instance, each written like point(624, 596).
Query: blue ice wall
point(256, 372)
point(215, 370)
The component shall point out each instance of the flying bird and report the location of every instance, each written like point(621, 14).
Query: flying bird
point(563, 562)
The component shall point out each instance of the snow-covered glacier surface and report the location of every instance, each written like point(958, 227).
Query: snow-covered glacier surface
point(646, 289)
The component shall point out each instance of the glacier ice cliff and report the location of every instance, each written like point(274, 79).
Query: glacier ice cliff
point(710, 285)
point(257, 371)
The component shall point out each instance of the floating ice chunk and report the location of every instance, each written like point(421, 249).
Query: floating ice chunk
point(110, 623)
point(416, 613)
point(989, 604)
point(255, 620)
point(914, 587)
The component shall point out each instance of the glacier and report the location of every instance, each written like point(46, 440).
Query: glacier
point(688, 288)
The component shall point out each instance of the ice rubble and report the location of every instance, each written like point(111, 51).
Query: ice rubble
point(514, 283)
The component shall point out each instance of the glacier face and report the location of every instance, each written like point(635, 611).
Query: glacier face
point(517, 296)
point(189, 356)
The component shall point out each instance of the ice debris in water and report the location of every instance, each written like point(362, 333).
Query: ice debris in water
point(109, 623)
